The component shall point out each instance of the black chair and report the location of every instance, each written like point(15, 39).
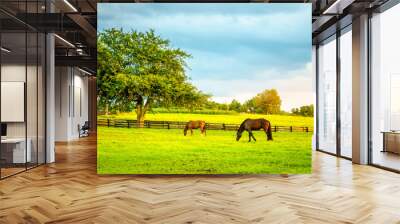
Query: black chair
point(84, 130)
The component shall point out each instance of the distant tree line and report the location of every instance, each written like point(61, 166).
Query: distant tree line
point(266, 102)
point(307, 111)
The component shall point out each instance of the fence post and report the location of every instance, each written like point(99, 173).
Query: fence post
point(129, 124)
point(275, 128)
point(108, 122)
point(291, 128)
point(306, 129)
point(168, 125)
point(223, 126)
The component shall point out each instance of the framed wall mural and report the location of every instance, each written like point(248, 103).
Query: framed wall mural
point(204, 88)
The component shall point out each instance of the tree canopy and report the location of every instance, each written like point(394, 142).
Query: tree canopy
point(139, 69)
point(268, 101)
point(235, 105)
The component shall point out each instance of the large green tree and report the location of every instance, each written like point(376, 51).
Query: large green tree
point(144, 69)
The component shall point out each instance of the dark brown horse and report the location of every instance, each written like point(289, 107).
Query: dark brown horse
point(195, 125)
point(254, 124)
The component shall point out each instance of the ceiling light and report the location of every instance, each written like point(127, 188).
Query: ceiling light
point(70, 5)
point(79, 51)
point(5, 50)
point(337, 7)
point(84, 71)
point(333, 6)
point(65, 41)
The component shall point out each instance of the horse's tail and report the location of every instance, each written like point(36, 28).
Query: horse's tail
point(269, 132)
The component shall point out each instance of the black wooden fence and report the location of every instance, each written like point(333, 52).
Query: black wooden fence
point(181, 125)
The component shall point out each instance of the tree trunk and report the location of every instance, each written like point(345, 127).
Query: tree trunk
point(106, 110)
point(141, 112)
point(140, 119)
point(139, 116)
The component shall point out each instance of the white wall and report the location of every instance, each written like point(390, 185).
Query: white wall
point(71, 102)
point(80, 109)
point(33, 126)
point(14, 72)
point(62, 82)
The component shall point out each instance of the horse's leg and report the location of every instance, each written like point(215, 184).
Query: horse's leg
point(253, 136)
point(265, 130)
point(249, 136)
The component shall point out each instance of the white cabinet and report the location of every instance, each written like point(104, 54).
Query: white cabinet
point(19, 155)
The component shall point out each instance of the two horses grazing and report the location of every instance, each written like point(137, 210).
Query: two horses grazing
point(195, 125)
point(254, 124)
point(248, 125)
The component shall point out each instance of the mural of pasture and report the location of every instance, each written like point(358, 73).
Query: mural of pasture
point(204, 89)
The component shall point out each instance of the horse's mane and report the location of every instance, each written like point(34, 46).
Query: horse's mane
point(241, 127)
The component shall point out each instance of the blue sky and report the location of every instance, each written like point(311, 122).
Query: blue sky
point(237, 50)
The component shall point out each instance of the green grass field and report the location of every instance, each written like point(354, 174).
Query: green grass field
point(163, 151)
point(278, 120)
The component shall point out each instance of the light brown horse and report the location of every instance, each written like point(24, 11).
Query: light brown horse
point(254, 124)
point(195, 125)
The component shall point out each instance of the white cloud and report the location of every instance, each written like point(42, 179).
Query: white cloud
point(296, 91)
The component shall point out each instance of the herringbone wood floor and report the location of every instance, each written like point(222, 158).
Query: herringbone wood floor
point(70, 191)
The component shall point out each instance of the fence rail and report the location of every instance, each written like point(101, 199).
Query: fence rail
point(181, 125)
